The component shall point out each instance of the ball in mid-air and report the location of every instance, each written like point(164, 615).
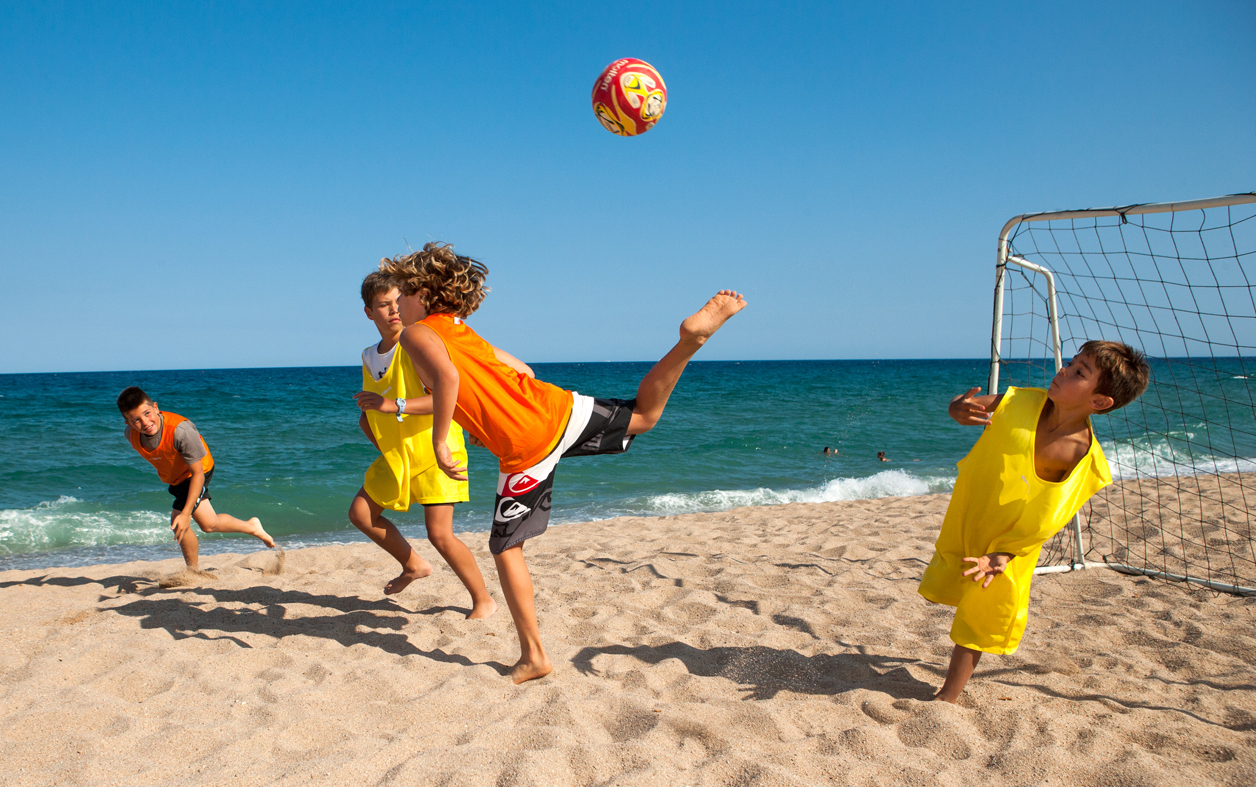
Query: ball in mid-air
point(629, 97)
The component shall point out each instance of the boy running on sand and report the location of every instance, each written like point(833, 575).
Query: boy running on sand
point(1035, 465)
point(172, 445)
point(529, 425)
point(397, 419)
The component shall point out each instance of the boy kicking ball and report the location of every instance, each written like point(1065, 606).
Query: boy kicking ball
point(527, 424)
point(172, 445)
point(397, 419)
point(1035, 465)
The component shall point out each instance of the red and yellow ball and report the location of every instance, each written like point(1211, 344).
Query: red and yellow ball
point(629, 97)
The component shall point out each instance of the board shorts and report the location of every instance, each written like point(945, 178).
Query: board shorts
point(522, 510)
point(181, 489)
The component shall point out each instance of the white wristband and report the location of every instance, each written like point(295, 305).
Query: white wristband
point(401, 409)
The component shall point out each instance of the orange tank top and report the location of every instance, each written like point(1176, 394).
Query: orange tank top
point(170, 465)
point(518, 418)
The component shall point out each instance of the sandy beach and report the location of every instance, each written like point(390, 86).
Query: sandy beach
point(780, 645)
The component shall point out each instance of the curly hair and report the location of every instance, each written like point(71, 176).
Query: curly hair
point(451, 283)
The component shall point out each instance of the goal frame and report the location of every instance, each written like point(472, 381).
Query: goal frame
point(1005, 258)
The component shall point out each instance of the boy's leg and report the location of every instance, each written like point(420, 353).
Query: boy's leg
point(963, 662)
point(368, 516)
point(213, 522)
point(439, 519)
point(188, 545)
point(516, 582)
point(657, 385)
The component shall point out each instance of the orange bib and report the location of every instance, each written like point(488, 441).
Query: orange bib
point(170, 465)
point(518, 418)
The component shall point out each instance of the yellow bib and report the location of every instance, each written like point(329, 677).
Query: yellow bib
point(406, 472)
point(1001, 505)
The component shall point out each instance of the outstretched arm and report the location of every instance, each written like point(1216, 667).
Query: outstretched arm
point(431, 360)
point(967, 409)
point(513, 362)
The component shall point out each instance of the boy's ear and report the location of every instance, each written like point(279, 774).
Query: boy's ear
point(1101, 402)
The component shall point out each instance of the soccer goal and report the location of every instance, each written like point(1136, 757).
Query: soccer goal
point(1176, 280)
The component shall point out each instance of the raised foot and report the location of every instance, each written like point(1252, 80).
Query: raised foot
point(260, 533)
point(700, 325)
point(403, 580)
point(482, 610)
point(526, 671)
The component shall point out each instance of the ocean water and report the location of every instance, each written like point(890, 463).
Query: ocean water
point(288, 450)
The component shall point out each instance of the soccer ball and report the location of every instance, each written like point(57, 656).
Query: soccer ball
point(629, 97)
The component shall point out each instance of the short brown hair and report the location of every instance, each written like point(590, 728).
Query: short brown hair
point(453, 284)
point(1123, 371)
point(131, 398)
point(374, 284)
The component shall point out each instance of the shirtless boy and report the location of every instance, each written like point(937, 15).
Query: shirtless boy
point(1035, 465)
point(172, 445)
point(397, 419)
point(527, 424)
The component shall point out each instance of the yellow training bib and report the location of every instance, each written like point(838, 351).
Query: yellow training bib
point(1001, 505)
point(406, 473)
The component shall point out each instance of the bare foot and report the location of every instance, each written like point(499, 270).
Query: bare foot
point(260, 533)
point(403, 580)
point(483, 609)
point(526, 671)
point(707, 320)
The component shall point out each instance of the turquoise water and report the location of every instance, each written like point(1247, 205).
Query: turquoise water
point(288, 449)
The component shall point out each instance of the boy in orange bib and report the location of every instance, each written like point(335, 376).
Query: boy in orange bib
point(172, 445)
point(528, 425)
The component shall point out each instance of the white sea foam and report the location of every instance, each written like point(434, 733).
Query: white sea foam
point(888, 483)
point(1175, 454)
point(68, 521)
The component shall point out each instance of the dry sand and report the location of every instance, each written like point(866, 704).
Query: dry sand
point(781, 645)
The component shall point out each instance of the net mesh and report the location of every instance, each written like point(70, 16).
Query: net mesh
point(1179, 286)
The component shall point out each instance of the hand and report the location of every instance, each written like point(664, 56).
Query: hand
point(969, 412)
point(445, 461)
point(473, 440)
point(988, 567)
point(181, 524)
point(373, 401)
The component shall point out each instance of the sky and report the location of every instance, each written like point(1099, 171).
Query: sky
point(204, 185)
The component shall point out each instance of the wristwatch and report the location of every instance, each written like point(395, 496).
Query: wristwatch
point(401, 409)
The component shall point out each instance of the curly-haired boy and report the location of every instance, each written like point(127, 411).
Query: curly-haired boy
point(527, 424)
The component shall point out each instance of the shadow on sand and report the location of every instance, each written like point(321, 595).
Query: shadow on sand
point(764, 672)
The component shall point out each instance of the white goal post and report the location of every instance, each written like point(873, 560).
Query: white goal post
point(1178, 281)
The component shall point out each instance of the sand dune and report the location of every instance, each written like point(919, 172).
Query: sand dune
point(769, 646)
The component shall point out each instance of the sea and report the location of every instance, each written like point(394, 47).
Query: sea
point(288, 449)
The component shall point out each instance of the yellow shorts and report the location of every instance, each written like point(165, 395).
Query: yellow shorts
point(428, 487)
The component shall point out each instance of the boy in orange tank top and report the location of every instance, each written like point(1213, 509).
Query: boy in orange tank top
point(171, 444)
point(527, 424)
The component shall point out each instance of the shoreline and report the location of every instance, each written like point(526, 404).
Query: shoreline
point(768, 645)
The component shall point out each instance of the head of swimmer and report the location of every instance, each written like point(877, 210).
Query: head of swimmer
point(139, 411)
point(1101, 377)
point(434, 280)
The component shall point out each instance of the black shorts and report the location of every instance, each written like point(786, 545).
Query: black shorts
point(522, 510)
point(180, 492)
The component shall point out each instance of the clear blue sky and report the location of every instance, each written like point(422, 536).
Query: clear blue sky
point(205, 184)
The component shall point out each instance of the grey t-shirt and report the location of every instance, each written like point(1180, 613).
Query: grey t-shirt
point(187, 441)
